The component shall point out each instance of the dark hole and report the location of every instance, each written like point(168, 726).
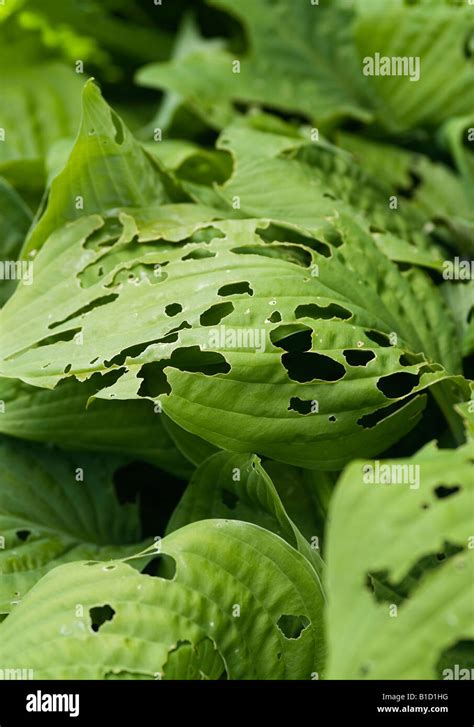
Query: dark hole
point(395, 385)
point(97, 303)
point(199, 254)
point(304, 367)
point(370, 420)
point(357, 357)
point(154, 380)
point(275, 317)
point(380, 338)
point(446, 491)
point(235, 289)
point(292, 626)
point(311, 310)
point(99, 615)
point(292, 341)
point(67, 368)
point(275, 233)
point(332, 418)
point(161, 566)
point(58, 337)
point(216, 313)
point(230, 499)
point(300, 405)
point(289, 253)
point(173, 309)
point(156, 491)
point(23, 534)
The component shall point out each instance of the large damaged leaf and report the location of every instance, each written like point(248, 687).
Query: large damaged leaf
point(231, 601)
point(400, 575)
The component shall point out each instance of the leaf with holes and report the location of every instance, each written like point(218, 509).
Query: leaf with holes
point(320, 359)
point(232, 601)
point(57, 509)
point(400, 567)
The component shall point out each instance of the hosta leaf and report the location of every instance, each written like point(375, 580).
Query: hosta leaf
point(49, 517)
point(291, 65)
point(393, 533)
point(106, 169)
point(110, 298)
point(229, 605)
point(40, 104)
point(66, 417)
point(446, 74)
point(236, 487)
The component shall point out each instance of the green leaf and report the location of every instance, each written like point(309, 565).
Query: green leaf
point(232, 585)
point(70, 418)
point(236, 487)
point(139, 313)
point(49, 517)
point(40, 104)
point(106, 169)
point(394, 532)
point(301, 60)
point(446, 73)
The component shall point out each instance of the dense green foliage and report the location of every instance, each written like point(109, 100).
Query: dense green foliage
point(237, 337)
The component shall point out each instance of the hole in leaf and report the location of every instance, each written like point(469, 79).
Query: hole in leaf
point(358, 357)
point(23, 534)
point(304, 367)
point(173, 309)
point(161, 566)
point(275, 233)
point(235, 289)
point(380, 338)
point(103, 300)
point(312, 310)
point(288, 253)
point(446, 490)
point(371, 420)
point(199, 254)
point(291, 338)
point(275, 317)
point(99, 615)
point(216, 313)
point(59, 337)
point(230, 499)
point(301, 406)
point(292, 626)
point(399, 384)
